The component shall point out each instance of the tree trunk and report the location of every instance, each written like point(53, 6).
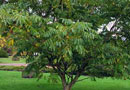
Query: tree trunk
point(64, 83)
point(67, 87)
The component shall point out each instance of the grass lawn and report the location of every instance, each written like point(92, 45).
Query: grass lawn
point(13, 81)
point(9, 60)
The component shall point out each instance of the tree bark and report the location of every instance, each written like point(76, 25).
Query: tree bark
point(64, 83)
point(67, 87)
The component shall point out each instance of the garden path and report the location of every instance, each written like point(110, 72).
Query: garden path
point(13, 64)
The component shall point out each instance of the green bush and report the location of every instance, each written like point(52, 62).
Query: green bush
point(3, 54)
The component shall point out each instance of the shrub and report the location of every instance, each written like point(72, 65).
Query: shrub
point(3, 54)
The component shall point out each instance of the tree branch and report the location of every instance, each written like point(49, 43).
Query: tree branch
point(81, 79)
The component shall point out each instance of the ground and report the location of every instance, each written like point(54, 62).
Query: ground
point(11, 80)
point(9, 60)
point(8, 64)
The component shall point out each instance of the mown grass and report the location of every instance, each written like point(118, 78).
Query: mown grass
point(9, 60)
point(10, 80)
